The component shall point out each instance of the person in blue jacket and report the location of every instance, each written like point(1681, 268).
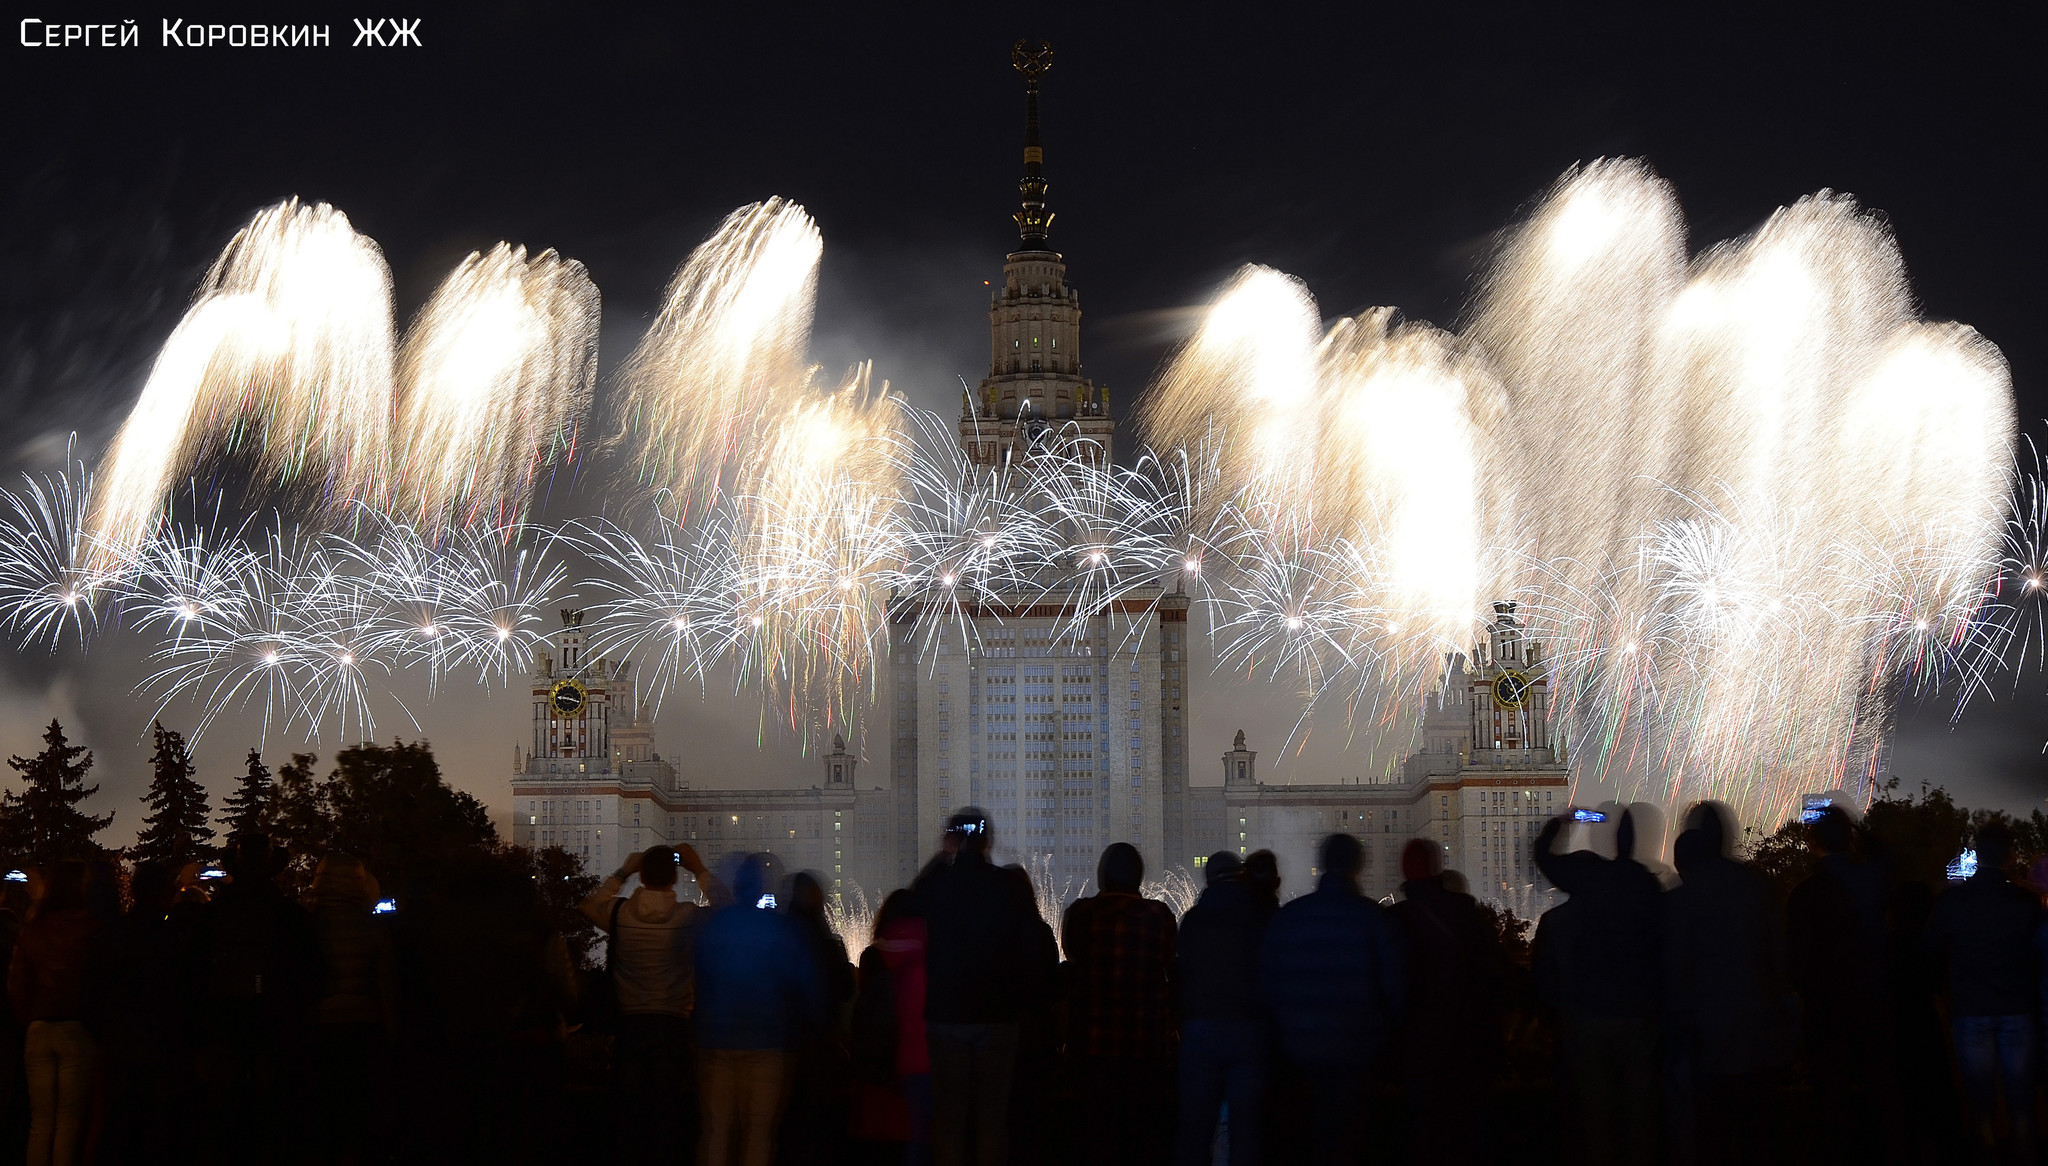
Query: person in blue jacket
point(757, 992)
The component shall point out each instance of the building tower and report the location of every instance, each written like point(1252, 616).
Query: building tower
point(1484, 778)
point(589, 777)
point(1035, 382)
point(1067, 725)
point(1241, 765)
point(839, 764)
point(1510, 697)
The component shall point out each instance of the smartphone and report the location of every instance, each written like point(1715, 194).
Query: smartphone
point(1579, 815)
point(212, 872)
point(17, 876)
point(385, 907)
point(1812, 810)
point(765, 902)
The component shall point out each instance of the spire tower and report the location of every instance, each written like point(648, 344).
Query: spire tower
point(1034, 381)
point(1033, 58)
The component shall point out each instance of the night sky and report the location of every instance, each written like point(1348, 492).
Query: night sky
point(1374, 152)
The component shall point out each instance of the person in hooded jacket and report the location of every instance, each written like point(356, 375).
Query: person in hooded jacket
point(355, 1018)
point(880, 1072)
point(815, 1117)
point(1451, 1043)
point(653, 936)
point(758, 992)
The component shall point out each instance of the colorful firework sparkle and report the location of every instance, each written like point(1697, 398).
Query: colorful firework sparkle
point(1748, 498)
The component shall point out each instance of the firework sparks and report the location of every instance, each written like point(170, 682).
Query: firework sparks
point(496, 378)
point(726, 355)
point(1747, 499)
point(288, 345)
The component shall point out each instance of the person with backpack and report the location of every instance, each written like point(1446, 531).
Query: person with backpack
point(650, 960)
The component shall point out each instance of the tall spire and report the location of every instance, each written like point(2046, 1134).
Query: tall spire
point(1032, 58)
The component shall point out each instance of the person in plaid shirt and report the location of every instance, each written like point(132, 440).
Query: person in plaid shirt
point(1119, 949)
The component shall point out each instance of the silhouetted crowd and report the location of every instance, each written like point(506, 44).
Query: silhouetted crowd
point(1693, 1015)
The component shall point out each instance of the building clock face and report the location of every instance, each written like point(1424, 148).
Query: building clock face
point(568, 697)
point(1510, 689)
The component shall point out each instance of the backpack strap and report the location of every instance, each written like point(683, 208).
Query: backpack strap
point(611, 937)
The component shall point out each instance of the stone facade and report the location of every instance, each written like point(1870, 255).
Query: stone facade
point(592, 784)
point(1481, 786)
point(1035, 380)
point(1072, 734)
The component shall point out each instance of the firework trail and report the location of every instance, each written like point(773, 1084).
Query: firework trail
point(287, 350)
point(1747, 499)
point(287, 346)
point(496, 377)
point(726, 355)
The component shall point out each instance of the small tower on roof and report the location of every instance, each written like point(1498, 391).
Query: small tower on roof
point(1240, 765)
point(839, 764)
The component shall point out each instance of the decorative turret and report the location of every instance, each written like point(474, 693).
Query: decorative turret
point(839, 764)
point(1032, 58)
point(1240, 765)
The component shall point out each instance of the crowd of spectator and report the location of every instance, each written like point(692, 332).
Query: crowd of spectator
point(1690, 1014)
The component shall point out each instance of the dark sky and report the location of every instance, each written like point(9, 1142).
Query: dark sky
point(1374, 151)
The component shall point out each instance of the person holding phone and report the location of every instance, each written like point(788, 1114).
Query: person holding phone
point(653, 944)
point(758, 991)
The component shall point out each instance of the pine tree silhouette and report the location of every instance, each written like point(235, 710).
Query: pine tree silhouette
point(175, 832)
point(252, 809)
point(301, 822)
point(43, 824)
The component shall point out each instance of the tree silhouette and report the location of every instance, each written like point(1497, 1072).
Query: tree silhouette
point(300, 821)
point(175, 830)
point(43, 824)
point(560, 884)
point(252, 808)
point(389, 807)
